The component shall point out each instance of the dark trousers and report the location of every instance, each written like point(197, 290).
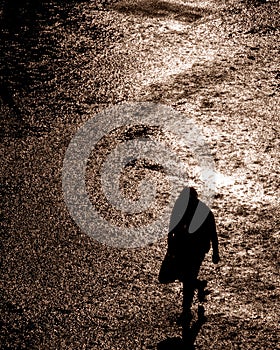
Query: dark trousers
point(190, 282)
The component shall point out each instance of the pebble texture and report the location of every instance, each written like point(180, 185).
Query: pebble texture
point(62, 62)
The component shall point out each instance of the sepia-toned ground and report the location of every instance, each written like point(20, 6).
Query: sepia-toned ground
point(216, 62)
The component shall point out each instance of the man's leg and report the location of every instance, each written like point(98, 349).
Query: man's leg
point(190, 283)
point(188, 294)
point(189, 286)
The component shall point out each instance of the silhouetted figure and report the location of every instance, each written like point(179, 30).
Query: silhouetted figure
point(192, 230)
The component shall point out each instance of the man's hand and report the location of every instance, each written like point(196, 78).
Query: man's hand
point(215, 258)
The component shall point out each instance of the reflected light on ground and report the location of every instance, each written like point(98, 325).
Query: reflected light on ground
point(223, 180)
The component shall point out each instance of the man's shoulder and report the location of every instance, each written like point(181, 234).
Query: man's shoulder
point(201, 215)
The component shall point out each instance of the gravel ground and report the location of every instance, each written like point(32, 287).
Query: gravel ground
point(62, 62)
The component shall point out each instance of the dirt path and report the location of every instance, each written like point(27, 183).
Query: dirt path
point(217, 63)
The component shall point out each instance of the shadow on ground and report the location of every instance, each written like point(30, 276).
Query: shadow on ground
point(200, 77)
point(21, 44)
point(177, 343)
point(161, 9)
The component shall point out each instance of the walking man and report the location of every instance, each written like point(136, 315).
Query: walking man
point(192, 230)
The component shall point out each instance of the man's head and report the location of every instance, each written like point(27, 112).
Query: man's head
point(193, 193)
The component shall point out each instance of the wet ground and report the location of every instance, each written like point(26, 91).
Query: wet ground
point(215, 61)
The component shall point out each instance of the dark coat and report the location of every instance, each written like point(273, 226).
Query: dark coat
point(190, 238)
point(192, 229)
